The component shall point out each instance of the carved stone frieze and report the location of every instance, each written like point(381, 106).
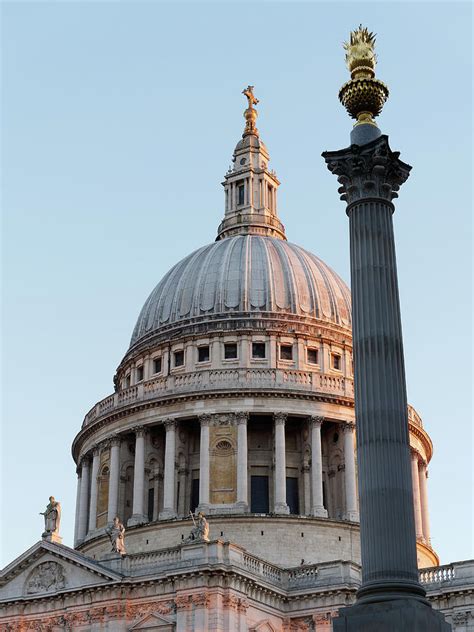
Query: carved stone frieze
point(183, 602)
point(370, 171)
point(201, 600)
point(46, 577)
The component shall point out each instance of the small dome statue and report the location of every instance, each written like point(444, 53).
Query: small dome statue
point(116, 533)
point(52, 520)
point(200, 531)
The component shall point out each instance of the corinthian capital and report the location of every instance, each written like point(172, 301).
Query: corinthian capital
point(280, 418)
point(241, 418)
point(368, 172)
point(348, 427)
point(316, 421)
point(205, 420)
point(169, 424)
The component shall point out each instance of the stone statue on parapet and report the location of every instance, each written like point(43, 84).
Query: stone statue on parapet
point(200, 530)
point(116, 533)
point(52, 520)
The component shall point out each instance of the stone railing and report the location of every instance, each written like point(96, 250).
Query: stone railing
point(456, 574)
point(222, 379)
point(414, 417)
point(437, 574)
point(200, 555)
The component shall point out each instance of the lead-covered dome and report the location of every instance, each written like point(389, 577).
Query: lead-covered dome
point(245, 274)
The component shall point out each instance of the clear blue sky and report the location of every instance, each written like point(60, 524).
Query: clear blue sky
point(118, 124)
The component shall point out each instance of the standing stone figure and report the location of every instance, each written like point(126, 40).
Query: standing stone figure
point(200, 531)
point(52, 517)
point(116, 533)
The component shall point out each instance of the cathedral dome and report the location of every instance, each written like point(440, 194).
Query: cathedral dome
point(248, 274)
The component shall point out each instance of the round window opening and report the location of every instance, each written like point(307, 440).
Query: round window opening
point(224, 445)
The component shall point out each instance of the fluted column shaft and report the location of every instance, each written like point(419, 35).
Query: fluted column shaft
point(204, 420)
point(424, 502)
point(242, 460)
point(84, 500)
point(138, 516)
point(280, 464)
point(415, 475)
point(169, 483)
point(352, 512)
point(317, 508)
point(78, 505)
point(94, 489)
point(370, 176)
point(114, 477)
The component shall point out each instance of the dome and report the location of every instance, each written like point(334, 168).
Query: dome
point(245, 274)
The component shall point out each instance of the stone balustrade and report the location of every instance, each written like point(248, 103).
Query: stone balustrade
point(455, 574)
point(225, 379)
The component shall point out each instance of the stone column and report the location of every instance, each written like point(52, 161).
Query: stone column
point(369, 176)
point(138, 513)
point(317, 508)
point(169, 483)
point(415, 475)
point(306, 471)
point(78, 502)
point(114, 478)
point(352, 512)
point(201, 602)
point(424, 503)
point(280, 464)
point(242, 460)
point(84, 499)
point(94, 489)
point(204, 420)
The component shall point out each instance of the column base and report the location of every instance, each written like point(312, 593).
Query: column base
point(167, 514)
point(137, 519)
point(319, 512)
point(52, 537)
point(281, 508)
point(353, 516)
point(242, 506)
point(409, 615)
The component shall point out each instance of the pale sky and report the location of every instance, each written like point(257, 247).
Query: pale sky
point(118, 124)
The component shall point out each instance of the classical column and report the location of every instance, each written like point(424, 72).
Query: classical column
point(280, 464)
point(416, 495)
point(317, 508)
point(114, 477)
point(94, 489)
point(204, 420)
point(424, 502)
point(138, 513)
point(370, 175)
point(352, 512)
point(169, 484)
point(242, 460)
point(84, 499)
point(78, 501)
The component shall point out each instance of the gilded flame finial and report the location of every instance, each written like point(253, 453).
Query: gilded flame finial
point(363, 96)
point(250, 113)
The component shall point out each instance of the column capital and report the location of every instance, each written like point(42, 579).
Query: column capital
point(96, 449)
point(280, 418)
point(368, 172)
point(140, 431)
point(348, 426)
point(85, 460)
point(205, 419)
point(114, 440)
point(316, 421)
point(169, 424)
point(414, 455)
point(241, 418)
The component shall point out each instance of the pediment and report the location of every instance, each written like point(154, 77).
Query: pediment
point(153, 622)
point(262, 626)
point(48, 568)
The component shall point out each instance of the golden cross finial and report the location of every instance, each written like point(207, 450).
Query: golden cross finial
point(250, 96)
point(250, 113)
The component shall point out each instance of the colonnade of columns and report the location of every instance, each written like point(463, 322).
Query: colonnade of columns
point(419, 473)
point(87, 493)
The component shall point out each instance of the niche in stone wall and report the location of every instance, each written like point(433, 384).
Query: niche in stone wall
point(223, 458)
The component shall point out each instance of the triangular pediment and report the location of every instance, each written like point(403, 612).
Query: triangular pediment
point(49, 568)
point(153, 622)
point(263, 626)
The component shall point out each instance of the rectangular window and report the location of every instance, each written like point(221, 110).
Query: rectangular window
point(336, 361)
point(194, 494)
point(203, 354)
point(127, 381)
point(179, 358)
point(139, 374)
point(157, 365)
point(259, 496)
point(151, 503)
point(230, 351)
point(286, 352)
point(269, 195)
point(292, 498)
point(312, 356)
point(258, 350)
point(241, 193)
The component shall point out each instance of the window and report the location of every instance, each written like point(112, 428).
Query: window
point(336, 361)
point(270, 204)
point(127, 381)
point(139, 374)
point(241, 192)
point(203, 354)
point(157, 365)
point(286, 352)
point(292, 495)
point(258, 350)
point(179, 358)
point(312, 356)
point(259, 496)
point(230, 351)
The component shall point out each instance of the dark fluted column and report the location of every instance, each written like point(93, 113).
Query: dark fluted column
point(370, 176)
